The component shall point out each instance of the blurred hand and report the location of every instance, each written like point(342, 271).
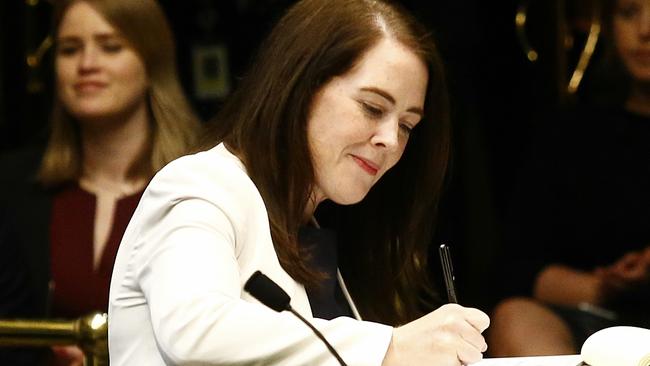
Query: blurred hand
point(67, 356)
point(629, 272)
point(448, 336)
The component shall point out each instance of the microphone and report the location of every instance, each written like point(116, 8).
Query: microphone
point(270, 294)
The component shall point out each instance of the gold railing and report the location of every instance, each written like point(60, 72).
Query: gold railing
point(586, 53)
point(90, 333)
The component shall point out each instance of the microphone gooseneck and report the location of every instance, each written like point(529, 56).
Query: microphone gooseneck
point(270, 294)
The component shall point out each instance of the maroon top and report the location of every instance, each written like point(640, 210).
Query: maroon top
point(79, 288)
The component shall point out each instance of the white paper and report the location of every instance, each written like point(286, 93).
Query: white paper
point(618, 346)
point(569, 360)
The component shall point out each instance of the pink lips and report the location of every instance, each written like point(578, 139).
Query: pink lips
point(89, 86)
point(367, 165)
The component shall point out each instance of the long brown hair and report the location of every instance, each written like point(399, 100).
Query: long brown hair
point(174, 126)
point(384, 239)
point(611, 82)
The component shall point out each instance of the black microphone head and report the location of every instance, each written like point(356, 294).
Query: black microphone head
point(267, 292)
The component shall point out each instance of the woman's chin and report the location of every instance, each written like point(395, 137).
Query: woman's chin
point(350, 198)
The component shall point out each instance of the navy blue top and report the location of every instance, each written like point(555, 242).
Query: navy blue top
point(583, 200)
point(327, 301)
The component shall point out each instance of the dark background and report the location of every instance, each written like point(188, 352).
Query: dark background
point(497, 95)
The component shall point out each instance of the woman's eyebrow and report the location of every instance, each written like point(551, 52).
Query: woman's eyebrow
point(386, 95)
point(98, 36)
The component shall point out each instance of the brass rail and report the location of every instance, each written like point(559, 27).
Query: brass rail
point(90, 333)
point(521, 19)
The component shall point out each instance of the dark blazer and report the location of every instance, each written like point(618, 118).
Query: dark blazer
point(24, 247)
point(24, 236)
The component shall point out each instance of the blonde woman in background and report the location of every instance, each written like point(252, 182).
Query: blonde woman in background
point(119, 115)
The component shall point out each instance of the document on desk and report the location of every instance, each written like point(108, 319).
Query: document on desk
point(570, 360)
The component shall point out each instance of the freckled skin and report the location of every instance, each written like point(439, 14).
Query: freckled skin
point(359, 123)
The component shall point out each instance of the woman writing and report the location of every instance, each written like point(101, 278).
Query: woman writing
point(119, 115)
point(345, 102)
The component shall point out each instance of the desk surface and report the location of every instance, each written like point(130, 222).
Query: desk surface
point(570, 360)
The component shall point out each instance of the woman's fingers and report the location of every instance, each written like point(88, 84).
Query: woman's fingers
point(450, 335)
point(478, 319)
point(468, 354)
point(468, 323)
point(469, 334)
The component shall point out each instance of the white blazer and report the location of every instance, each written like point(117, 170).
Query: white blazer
point(176, 298)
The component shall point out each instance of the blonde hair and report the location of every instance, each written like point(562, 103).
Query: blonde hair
point(174, 126)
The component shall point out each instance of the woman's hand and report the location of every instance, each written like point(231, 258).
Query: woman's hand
point(67, 356)
point(448, 336)
point(629, 272)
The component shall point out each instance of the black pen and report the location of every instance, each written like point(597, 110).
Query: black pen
point(448, 271)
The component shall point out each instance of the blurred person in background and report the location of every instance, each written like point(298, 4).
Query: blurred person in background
point(579, 232)
point(119, 115)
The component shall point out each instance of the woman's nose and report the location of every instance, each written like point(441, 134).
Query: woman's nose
point(386, 134)
point(88, 60)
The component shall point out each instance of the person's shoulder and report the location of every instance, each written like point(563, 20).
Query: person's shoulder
point(30, 155)
point(20, 165)
point(211, 174)
point(578, 121)
point(214, 176)
point(18, 177)
point(216, 163)
point(591, 114)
